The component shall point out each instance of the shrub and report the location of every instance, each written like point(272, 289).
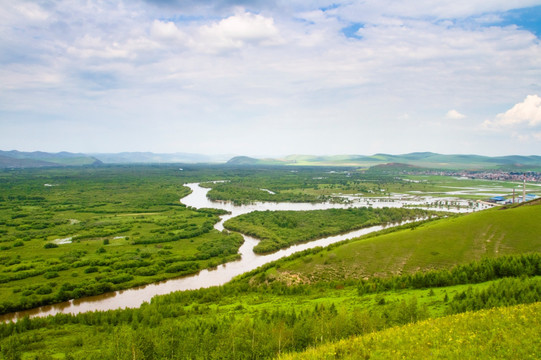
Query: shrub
point(44, 290)
point(91, 269)
point(50, 275)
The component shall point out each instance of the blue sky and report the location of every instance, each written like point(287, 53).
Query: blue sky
point(528, 18)
point(271, 78)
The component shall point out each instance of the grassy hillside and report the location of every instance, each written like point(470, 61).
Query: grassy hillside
point(501, 333)
point(434, 245)
point(238, 321)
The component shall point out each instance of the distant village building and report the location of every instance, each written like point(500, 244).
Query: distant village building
point(528, 197)
point(498, 199)
point(503, 200)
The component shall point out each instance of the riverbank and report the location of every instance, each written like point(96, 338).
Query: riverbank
point(219, 275)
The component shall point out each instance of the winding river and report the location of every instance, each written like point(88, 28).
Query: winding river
point(135, 297)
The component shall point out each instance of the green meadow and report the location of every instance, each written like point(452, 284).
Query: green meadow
point(268, 320)
point(323, 184)
point(279, 229)
point(71, 233)
point(435, 244)
point(499, 333)
point(458, 286)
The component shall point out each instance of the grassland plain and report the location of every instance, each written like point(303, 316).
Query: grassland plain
point(279, 229)
point(69, 233)
point(500, 333)
point(323, 184)
point(303, 184)
point(264, 318)
point(433, 245)
point(73, 232)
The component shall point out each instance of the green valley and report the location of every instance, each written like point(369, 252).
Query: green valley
point(66, 234)
point(451, 284)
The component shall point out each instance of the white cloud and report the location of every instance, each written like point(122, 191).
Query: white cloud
point(31, 11)
point(166, 30)
point(90, 47)
point(454, 115)
point(285, 60)
point(404, 116)
point(236, 31)
point(527, 113)
point(371, 10)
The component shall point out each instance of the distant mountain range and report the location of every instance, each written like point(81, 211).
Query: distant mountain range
point(149, 157)
point(18, 159)
point(417, 159)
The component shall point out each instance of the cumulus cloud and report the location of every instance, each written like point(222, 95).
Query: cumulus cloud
point(166, 30)
point(91, 47)
point(277, 60)
point(454, 115)
point(238, 30)
point(527, 112)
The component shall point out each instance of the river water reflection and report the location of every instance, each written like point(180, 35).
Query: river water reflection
point(135, 297)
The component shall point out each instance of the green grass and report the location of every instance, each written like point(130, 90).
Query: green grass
point(500, 333)
point(315, 298)
point(279, 229)
point(236, 321)
point(434, 245)
point(125, 227)
point(313, 185)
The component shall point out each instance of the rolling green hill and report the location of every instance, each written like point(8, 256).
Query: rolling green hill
point(433, 245)
point(487, 334)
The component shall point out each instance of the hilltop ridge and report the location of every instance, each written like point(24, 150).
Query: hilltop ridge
point(429, 160)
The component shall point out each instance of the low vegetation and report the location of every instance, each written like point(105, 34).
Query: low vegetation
point(459, 287)
point(431, 245)
point(70, 233)
point(279, 229)
point(242, 321)
point(317, 184)
point(500, 333)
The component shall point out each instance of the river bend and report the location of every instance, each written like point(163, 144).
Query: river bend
point(135, 297)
